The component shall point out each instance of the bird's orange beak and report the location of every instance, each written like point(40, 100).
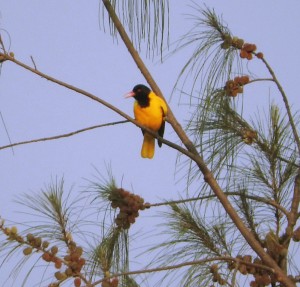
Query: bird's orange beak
point(130, 94)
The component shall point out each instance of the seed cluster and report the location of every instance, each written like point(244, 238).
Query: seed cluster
point(236, 86)
point(73, 260)
point(247, 50)
point(12, 233)
point(114, 282)
point(296, 235)
point(249, 136)
point(129, 205)
point(214, 269)
point(74, 263)
point(261, 276)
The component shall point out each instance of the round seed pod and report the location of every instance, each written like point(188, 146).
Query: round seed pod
point(77, 282)
point(27, 251)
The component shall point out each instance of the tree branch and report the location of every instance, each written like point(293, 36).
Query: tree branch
point(99, 100)
point(295, 200)
point(293, 215)
point(252, 197)
point(147, 75)
point(286, 102)
point(196, 262)
point(63, 135)
point(208, 176)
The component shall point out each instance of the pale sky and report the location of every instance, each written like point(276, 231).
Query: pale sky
point(65, 41)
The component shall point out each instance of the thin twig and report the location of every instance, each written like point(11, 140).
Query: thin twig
point(196, 262)
point(63, 135)
point(33, 62)
point(260, 80)
point(286, 102)
point(236, 269)
point(6, 130)
point(252, 197)
point(2, 45)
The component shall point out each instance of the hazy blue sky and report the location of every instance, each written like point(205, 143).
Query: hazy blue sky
point(65, 41)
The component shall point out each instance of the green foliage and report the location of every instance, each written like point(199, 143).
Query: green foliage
point(110, 255)
point(147, 21)
point(192, 237)
point(209, 65)
point(254, 158)
point(53, 209)
point(54, 239)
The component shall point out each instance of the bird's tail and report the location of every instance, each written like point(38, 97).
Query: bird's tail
point(148, 146)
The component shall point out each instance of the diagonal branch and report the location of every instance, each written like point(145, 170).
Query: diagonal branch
point(99, 100)
point(208, 176)
point(147, 75)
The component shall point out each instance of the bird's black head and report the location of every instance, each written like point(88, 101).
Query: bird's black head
point(141, 94)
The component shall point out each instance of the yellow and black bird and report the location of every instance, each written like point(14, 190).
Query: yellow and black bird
point(150, 111)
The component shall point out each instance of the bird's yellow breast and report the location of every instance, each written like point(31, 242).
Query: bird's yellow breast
point(153, 115)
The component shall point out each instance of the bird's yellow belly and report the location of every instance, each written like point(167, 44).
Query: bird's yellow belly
point(149, 117)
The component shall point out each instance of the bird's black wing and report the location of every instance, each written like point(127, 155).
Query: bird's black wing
point(161, 133)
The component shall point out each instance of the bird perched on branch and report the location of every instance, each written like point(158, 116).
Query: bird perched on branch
point(150, 111)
